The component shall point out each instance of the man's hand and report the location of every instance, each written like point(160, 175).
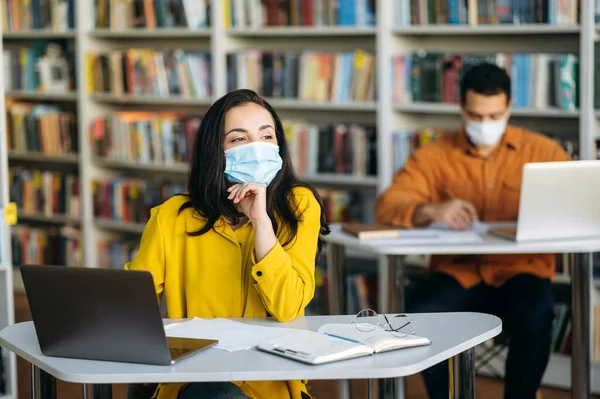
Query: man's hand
point(457, 213)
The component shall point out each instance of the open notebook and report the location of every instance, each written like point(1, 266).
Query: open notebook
point(335, 342)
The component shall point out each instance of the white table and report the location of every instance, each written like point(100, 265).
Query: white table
point(581, 252)
point(469, 330)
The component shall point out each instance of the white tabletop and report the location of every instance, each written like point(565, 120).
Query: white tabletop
point(450, 333)
point(490, 245)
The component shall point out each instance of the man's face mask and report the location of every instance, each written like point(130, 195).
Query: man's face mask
point(256, 162)
point(485, 133)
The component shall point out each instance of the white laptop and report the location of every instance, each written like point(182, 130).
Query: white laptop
point(559, 200)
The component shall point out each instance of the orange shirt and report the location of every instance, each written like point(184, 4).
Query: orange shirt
point(450, 167)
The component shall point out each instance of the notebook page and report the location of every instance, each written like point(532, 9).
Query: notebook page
point(378, 339)
point(310, 342)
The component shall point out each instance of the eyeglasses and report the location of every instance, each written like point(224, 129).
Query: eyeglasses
point(368, 320)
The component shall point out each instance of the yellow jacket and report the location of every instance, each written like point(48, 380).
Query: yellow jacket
point(216, 275)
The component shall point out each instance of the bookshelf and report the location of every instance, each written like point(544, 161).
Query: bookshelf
point(212, 35)
point(8, 361)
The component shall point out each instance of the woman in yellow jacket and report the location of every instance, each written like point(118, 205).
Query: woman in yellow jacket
point(242, 242)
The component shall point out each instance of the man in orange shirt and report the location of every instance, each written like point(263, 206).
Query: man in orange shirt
point(476, 174)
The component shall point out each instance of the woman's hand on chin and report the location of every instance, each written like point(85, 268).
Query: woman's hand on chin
point(250, 199)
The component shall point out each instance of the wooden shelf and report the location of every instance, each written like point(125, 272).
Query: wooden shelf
point(158, 33)
point(149, 100)
point(453, 109)
point(39, 96)
point(340, 180)
point(293, 104)
point(324, 178)
point(43, 218)
point(39, 34)
point(121, 227)
point(67, 159)
point(492, 29)
point(111, 164)
point(302, 31)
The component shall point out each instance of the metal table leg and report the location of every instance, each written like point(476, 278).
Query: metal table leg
point(391, 294)
point(43, 385)
point(335, 273)
point(391, 297)
point(388, 388)
point(461, 372)
point(388, 271)
point(97, 391)
point(580, 296)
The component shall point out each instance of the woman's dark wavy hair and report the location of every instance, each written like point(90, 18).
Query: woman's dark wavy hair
point(207, 186)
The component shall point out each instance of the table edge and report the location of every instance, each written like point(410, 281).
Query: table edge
point(155, 377)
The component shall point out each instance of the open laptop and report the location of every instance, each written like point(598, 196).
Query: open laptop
point(559, 200)
point(101, 314)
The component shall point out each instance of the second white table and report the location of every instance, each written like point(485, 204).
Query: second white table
point(581, 255)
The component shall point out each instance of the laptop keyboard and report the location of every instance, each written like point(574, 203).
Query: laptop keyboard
point(177, 352)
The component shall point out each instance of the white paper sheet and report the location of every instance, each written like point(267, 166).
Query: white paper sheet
point(478, 227)
point(232, 335)
point(431, 236)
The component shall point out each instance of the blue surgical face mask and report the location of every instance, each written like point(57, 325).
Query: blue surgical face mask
point(256, 162)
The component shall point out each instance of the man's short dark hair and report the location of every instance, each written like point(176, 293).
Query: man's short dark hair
point(487, 79)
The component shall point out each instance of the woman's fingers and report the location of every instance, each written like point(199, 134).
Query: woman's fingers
point(238, 192)
point(244, 192)
point(233, 190)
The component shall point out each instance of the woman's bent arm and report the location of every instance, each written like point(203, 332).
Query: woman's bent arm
point(285, 278)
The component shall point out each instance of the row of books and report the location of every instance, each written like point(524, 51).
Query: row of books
point(43, 66)
point(59, 15)
point(538, 80)
point(40, 128)
point(406, 141)
point(144, 137)
point(305, 75)
point(167, 139)
point(338, 148)
point(480, 12)
point(45, 192)
point(129, 200)
point(150, 72)
point(115, 253)
point(25, 15)
point(257, 14)
point(46, 246)
point(119, 14)
point(342, 205)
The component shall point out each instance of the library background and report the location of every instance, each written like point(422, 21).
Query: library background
point(101, 100)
